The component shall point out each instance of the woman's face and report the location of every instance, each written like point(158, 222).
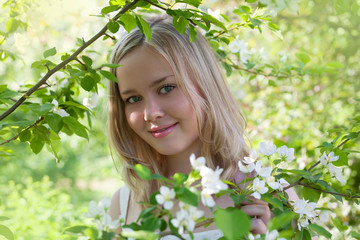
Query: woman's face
point(155, 106)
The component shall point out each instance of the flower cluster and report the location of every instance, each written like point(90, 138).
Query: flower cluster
point(264, 179)
point(210, 180)
point(186, 217)
point(100, 215)
point(327, 160)
point(165, 197)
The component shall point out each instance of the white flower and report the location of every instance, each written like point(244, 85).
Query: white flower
point(262, 171)
point(286, 153)
point(252, 156)
point(246, 168)
point(307, 212)
point(258, 188)
point(183, 221)
point(267, 149)
point(239, 46)
point(94, 210)
point(271, 181)
point(273, 235)
point(197, 163)
point(91, 103)
point(336, 171)
point(193, 213)
point(206, 197)
point(327, 160)
point(283, 56)
point(263, 54)
point(165, 196)
point(109, 223)
point(210, 179)
point(57, 110)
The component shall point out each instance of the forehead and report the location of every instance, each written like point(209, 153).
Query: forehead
point(142, 63)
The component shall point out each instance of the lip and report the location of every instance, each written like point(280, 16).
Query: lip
point(162, 131)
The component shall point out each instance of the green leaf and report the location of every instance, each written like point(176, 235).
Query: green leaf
point(180, 23)
point(342, 6)
point(7, 93)
point(273, 201)
point(87, 83)
point(302, 173)
point(111, 65)
point(12, 24)
point(113, 26)
point(343, 158)
point(3, 218)
point(109, 9)
point(338, 224)
point(36, 143)
point(25, 136)
point(54, 121)
point(144, 27)
point(109, 75)
point(320, 230)
point(128, 21)
point(42, 64)
point(76, 229)
point(304, 58)
point(3, 87)
point(192, 33)
point(238, 199)
point(180, 178)
point(6, 232)
point(50, 52)
point(143, 172)
point(76, 127)
point(186, 196)
point(330, 189)
point(229, 221)
point(88, 61)
point(310, 194)
point(195, 3)
point(303, 235)
point(141, 235)
point(355, 234)
point(281, 220)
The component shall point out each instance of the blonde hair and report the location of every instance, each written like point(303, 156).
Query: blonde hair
point(199, 75)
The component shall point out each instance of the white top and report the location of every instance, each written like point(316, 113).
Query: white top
point(206, 235)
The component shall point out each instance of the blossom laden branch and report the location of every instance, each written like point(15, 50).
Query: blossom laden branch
point(65, 62)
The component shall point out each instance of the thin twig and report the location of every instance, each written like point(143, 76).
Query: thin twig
point(82, 64)
point(27, 128)
point(334, 193)
point(65, 62)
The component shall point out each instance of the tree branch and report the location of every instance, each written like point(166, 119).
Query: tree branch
point(65, 62)
point(334, 193)
point(28, 127)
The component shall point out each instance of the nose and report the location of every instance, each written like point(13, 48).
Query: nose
point(152, 111)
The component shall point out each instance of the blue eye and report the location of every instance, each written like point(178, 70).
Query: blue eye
point(166, 89)
point(133, 99)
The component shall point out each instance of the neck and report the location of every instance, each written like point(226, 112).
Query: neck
point(180, 163)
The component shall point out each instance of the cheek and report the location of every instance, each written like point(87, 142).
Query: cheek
point(134, 119)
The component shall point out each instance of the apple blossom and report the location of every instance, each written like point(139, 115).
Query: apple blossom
point(286, 153)
point(246, 168)
point(197, 163)
point(57, 110)
point(262, 171)
point(165, 196)
point(252, 157)
point(267, 149)
point(259, 188)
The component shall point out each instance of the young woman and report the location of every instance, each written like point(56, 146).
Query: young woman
point(172, 100)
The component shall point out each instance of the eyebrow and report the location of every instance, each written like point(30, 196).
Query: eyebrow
point(154, 83)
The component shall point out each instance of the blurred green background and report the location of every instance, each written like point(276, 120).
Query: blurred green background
point(42, 197)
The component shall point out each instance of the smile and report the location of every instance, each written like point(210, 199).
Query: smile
point(163, 132)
